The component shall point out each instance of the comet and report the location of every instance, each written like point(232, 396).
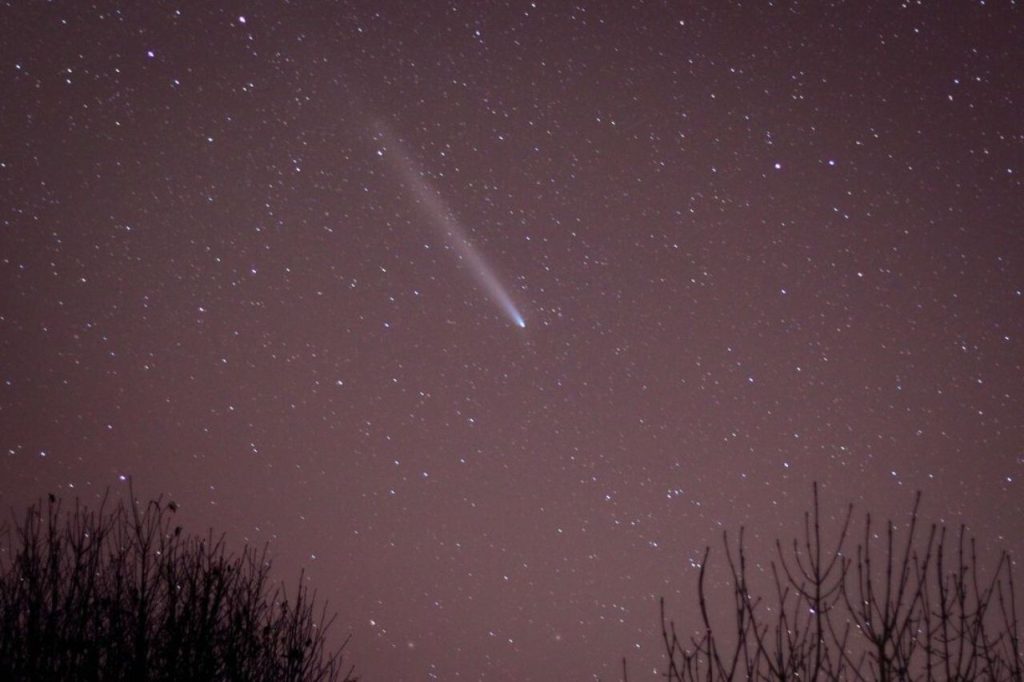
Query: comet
point(445, 220)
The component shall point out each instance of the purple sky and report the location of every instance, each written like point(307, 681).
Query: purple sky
point(753, 246)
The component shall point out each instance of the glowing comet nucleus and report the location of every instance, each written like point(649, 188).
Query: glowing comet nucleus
point(445, 220)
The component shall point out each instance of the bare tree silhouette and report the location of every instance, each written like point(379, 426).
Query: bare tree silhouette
point(926, 612)
point(121, 593)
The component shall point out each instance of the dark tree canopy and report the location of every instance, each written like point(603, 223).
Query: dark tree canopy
point(121, 593)
point(916, 604)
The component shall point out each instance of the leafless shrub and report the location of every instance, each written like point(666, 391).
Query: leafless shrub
point(922, 610)
point(122, 593)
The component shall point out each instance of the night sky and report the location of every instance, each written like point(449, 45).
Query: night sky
point(491, 315)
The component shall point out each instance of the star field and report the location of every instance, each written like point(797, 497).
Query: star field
point(755, 245)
